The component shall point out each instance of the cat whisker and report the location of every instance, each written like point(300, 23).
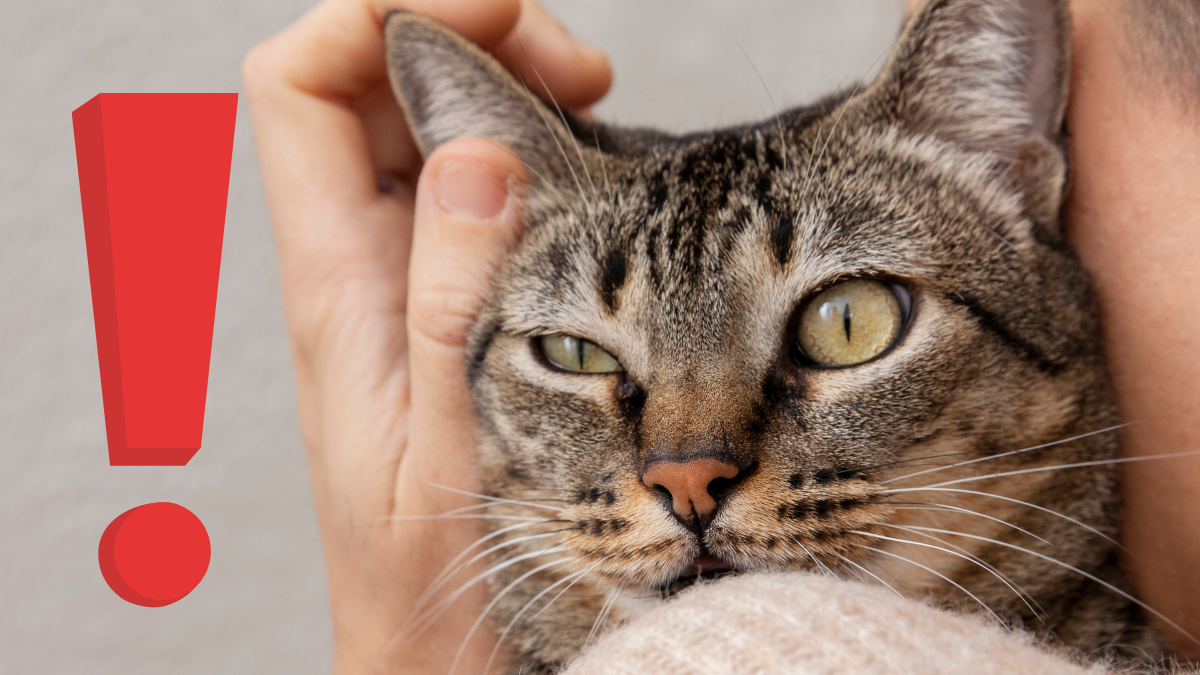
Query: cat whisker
point(488, 505)
point(869, 573)
point(437, 581)
point(847, 103)
point(492, 605)
point(601, 617)
point(447, 574)
point(544, 180)
point(603, 164)
point(563, 118)
point(560, 593)
point(1073, 465)
point(561, 490)
point(1009, 453)
point(947, 507)
point(427, 618)
point(1013, 500)
point(472, 516)
point(1004, 579)
point(871, 467)
point(571, 578)
point(823, 566)
point(828, 137)
point(489, 498)
point(1087, 575)
point(767, 90)
point(928, 569)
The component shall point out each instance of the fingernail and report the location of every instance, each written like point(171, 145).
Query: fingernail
point(470, 189)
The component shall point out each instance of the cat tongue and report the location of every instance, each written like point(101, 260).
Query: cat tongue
point(710, 563)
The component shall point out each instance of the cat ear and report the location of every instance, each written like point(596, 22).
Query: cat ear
point(448, 88)
point(990, 75)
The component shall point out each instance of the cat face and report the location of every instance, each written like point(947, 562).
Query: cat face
point(725, 352)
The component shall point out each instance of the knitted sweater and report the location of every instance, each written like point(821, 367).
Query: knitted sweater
point(803, 623)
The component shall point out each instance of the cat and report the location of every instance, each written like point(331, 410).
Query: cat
point(850, 339)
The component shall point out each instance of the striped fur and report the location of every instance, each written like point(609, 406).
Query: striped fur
point(687, 257)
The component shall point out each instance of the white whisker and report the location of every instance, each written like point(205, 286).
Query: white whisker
point(560, 593)
point(812, 161)
point(1073, 465)
point(828, 572)
point(603, 164)
point(1009, 453)
point(498, 500)
point(963, 553)
point(491, 605)
point(451, 568)
point(1092, 577)
point(445, 578)
point(545, 181)
point(554, 135)
point(931, 571)
point(426, 619)
point(1043, 509)
point(569, 578)
point(869, 573)
point(472, 516)
point(601, 617)
point(948, 507)
point(485, 505)
point(767, 90)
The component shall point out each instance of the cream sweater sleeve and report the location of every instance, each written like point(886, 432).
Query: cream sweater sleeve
point(802, 623)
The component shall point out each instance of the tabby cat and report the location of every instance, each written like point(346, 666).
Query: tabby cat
point(849, 339)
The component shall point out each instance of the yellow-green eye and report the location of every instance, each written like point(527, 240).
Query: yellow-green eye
point(578, 356)
point(850, 322)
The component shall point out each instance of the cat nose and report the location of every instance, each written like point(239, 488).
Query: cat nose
point(688, 483)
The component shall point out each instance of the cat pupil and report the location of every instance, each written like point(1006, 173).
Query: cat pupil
point(846, 321)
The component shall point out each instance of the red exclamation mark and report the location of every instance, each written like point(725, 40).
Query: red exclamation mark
point(153, 180)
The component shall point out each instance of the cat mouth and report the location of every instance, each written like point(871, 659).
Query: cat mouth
point(703, 568)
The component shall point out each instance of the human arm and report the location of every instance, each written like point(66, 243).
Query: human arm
point(376, 339)
point(1133, 216)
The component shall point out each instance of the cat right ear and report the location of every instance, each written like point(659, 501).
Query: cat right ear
point(448, 88)
point(989, 75)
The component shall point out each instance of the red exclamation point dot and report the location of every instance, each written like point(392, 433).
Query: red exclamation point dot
point(154, 554)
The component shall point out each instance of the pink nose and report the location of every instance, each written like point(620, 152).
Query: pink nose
point(688, 483)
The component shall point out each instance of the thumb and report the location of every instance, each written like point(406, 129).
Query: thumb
point(466, 217)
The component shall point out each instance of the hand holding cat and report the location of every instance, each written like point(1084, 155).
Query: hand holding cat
point(383, 263)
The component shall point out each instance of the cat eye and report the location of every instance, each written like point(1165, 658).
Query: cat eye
point(851, 322)
point(577, 355)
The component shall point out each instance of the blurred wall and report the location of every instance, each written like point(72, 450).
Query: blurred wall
point(680, 64)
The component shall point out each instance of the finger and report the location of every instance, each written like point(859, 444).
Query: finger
point(394, 155)
point(551, 61)
point(316, 151)
point(336, 50)
point(314, 147)
point(575, 74)
point(466, 218)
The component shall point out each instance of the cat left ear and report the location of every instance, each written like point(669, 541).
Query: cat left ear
point(990, 75)
point(448, 88)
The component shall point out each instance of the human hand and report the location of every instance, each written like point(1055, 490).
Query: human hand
point(384, 261)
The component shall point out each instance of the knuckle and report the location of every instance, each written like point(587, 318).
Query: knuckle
point(443, 315)
point(259, 68)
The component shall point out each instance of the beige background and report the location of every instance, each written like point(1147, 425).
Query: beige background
point(262, 607)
